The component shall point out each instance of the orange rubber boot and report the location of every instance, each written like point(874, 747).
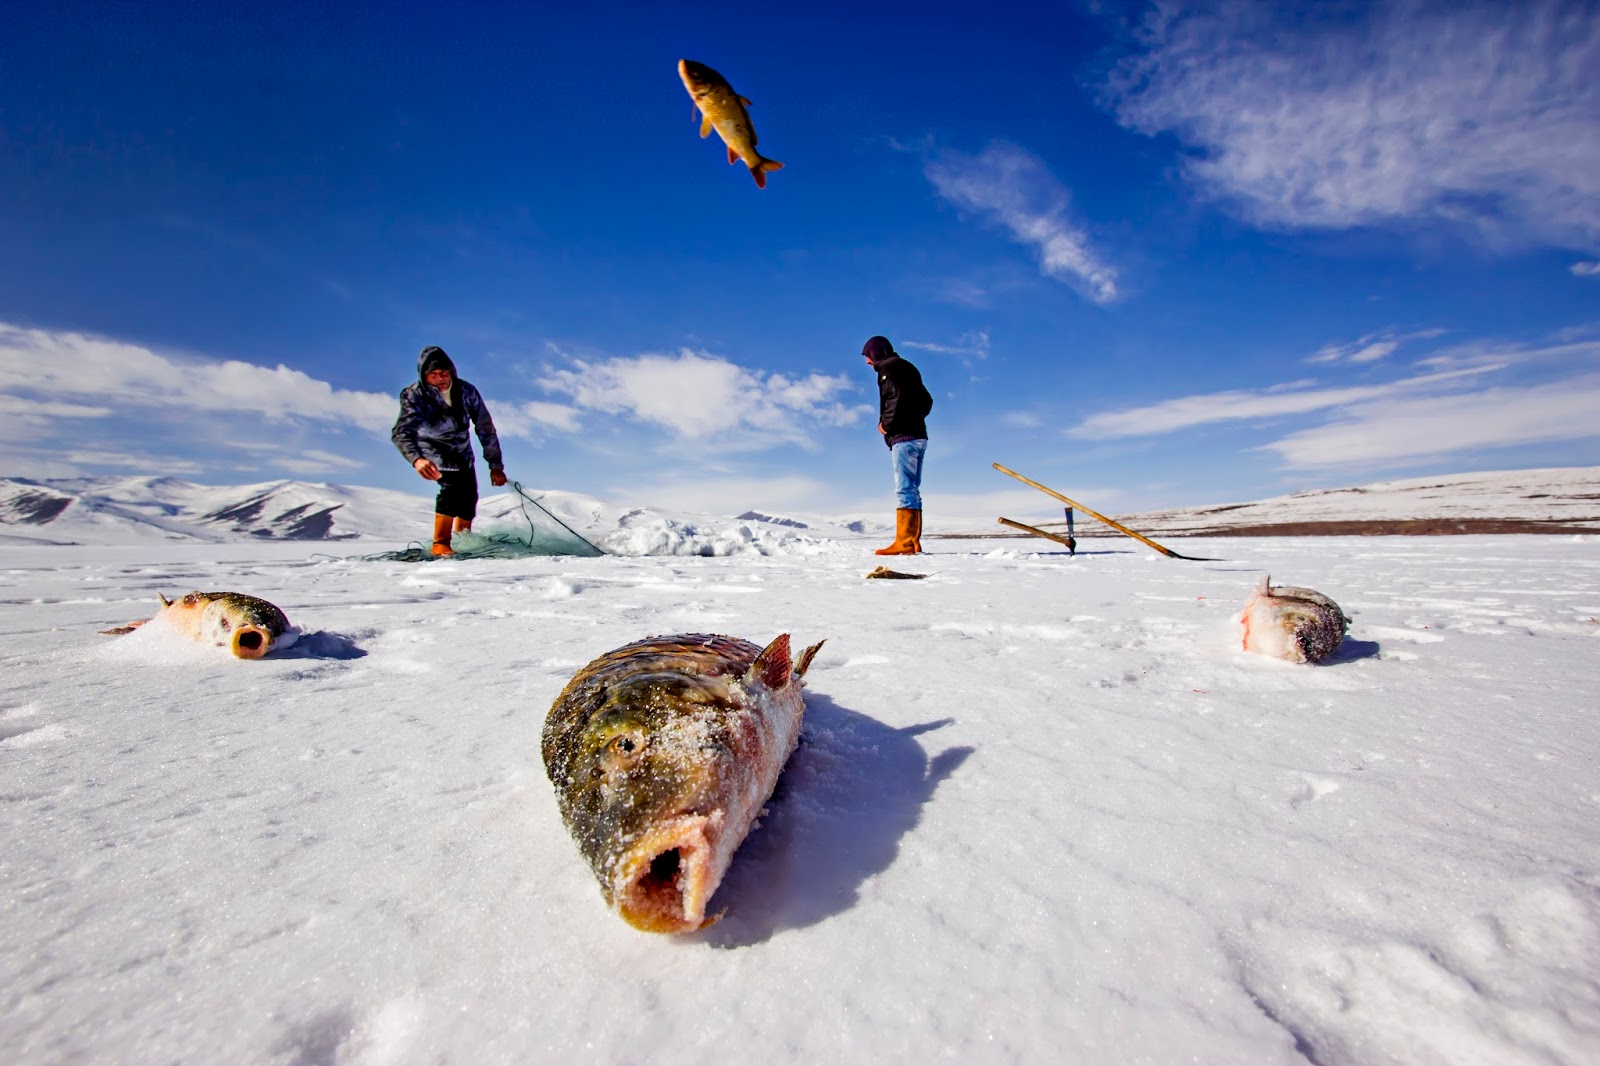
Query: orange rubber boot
point(903, 517)
point(441, 535)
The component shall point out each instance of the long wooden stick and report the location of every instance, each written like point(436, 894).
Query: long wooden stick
point(1068, 541)
point(1113, 523)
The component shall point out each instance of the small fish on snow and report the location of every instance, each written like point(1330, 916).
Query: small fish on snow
point(663, 754)
point(1291, 623)
point(723, 110)
point(247, 626)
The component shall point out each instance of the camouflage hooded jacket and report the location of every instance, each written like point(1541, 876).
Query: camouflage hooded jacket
point(429, 428)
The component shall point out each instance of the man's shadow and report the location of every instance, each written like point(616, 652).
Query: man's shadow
point(851, 790)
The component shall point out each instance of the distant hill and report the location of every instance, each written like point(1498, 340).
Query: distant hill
point(142, 509)
point(1554, 500)
point(135, 510)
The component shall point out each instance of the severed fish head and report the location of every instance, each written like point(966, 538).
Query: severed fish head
point(1294, 624)
point(662, 754)
point(247, 626)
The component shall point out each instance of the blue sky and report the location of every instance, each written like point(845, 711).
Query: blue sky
point(1152, 255)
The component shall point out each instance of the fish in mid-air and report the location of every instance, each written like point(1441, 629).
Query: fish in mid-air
point(248, 626)
point(723, 110)
point(662, 754)
point(1290, 623)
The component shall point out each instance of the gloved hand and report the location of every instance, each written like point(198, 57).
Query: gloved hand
point(426, 468)
point(497, 478)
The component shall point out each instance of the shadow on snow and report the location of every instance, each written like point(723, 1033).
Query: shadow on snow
point(321, 645)
point(852, 789)
point(1351, 650)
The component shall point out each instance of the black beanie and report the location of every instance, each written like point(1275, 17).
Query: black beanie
point(433, 357)
point(877, 349)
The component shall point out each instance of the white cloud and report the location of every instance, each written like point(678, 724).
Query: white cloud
point(974, 343)
point(1010, 186)
point(701, 397)
point(166, 465)
point(313, 461)
point(1484, 114)
point(1396, 429)
point(128, 375)
point(1586, 269)
point(1184, 412)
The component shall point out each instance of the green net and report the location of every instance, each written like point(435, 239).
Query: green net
point(538, 533)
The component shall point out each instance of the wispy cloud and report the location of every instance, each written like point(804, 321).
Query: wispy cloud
point(1453, 409)
point(974, 343)
point(1234, 405)
point(1371, 348)
point(1586, 269)
point(122, 376)
point(314, 461)
point(700, 397)
point(1484, 114)
point(1010, 186)
point(1398, 429)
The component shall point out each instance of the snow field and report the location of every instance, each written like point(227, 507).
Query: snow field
point(1043, 809)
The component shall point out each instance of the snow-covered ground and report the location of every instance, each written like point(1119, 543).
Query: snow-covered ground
point(1045, 810)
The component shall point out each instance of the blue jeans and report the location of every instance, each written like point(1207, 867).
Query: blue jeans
point(907, 456)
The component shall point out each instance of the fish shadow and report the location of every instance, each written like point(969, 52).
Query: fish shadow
point(851, 790)
point(1349, 651)
point(322, 645)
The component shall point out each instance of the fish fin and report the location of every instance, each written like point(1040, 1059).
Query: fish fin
point(745, 102)
point(705, 126)
point(806, 657)
point(120, 630)
point(759, 171)
point(772, 667)
point(164, 601)
point(1265, 588)
point(733, 157)
point(771, 164)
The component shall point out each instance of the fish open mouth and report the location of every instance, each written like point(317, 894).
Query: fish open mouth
point(251, 642)
point(664, 883)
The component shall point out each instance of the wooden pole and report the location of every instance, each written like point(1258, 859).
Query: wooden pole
point(1113, 523)
point(1068, 541)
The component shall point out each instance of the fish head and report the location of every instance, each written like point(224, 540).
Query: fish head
point(242, 624)
point(698, 78)
point(648, 784)
point(1300, 627)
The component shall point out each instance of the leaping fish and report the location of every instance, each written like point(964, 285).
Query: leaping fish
point(1290, 623)
point(723, 110)
point(248, 626)
point(662, 754)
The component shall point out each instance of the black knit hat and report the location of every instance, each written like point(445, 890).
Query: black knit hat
point(877, 349)
point(433, 357)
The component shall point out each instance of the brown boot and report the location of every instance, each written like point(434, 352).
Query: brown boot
point(903, 517)
point(441, 535)
point(916, 532)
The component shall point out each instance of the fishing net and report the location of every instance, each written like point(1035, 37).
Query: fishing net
point(545, 535)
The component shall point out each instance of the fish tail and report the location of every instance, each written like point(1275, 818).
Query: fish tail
point(806, 657)
point(759, 171)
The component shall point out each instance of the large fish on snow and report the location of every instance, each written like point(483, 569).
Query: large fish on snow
point(248, 626)
point(1291, 623)
point(723, 110)
point(662, 754)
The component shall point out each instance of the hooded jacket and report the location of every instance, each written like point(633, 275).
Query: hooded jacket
point(431, 428)
point(903, 401)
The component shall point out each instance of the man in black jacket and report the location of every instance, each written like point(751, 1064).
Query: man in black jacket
point(903, 406)
point(431, 433)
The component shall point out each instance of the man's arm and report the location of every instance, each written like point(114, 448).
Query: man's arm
point(487, 437)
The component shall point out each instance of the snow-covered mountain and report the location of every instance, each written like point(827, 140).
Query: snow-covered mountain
point(137, 510)
point(1553, 500)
